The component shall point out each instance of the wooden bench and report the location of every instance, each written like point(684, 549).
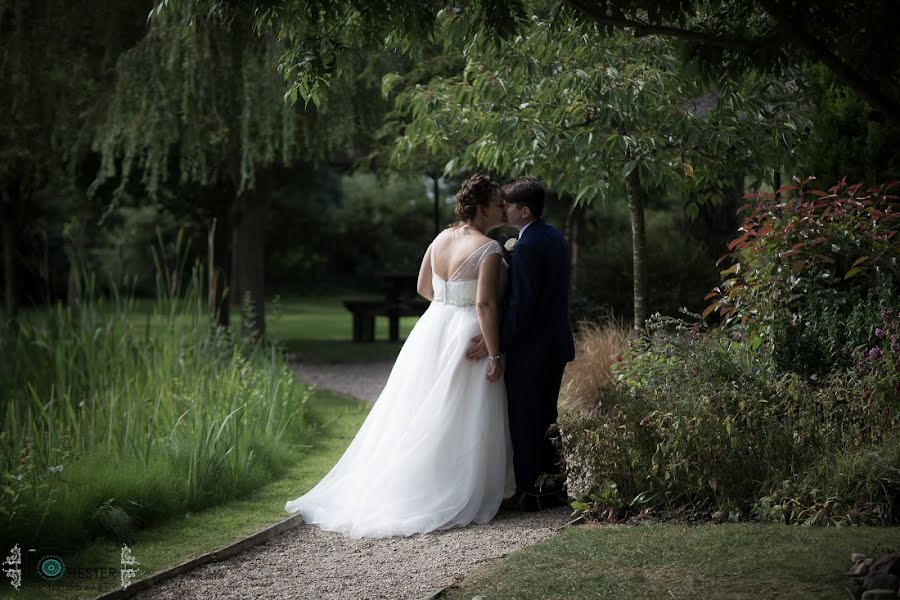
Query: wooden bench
point(365, 311)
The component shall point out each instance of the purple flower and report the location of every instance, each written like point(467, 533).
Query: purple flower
point(895, 344)
point(875, 353)
point(858, 366)
point(879, 333)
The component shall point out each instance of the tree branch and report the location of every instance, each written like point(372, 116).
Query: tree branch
point(788, 31)
point(868, 90)
point(641, 28)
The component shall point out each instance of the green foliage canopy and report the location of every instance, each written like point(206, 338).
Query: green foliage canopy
point(56, 62)
point(854, 40)
point(203, 93)
point(581, 110)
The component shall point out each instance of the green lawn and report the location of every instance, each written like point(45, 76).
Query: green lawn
point(665, 561)
point(337, 420)
point(319, 328)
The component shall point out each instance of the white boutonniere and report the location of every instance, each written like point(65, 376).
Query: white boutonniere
point(510, 244)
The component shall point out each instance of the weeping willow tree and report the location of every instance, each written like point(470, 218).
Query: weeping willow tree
point(200, 100)
point(57, 63)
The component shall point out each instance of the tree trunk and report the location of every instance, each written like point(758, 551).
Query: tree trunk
point(10, 293)
point(776, 181)
point(234, 282)
point(636, 202)
point(220, 267)
point(575, 232)
point(796, 34)
point(437, 205)
point(251, 238)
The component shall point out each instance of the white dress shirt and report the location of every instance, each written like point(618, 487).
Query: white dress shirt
point(524, 227)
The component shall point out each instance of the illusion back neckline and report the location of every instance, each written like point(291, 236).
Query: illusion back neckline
point(461, 265)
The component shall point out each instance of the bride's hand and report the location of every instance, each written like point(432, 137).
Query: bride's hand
point(477, 349)
point(495, 370)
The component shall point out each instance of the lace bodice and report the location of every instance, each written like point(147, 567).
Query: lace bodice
point(459, 289)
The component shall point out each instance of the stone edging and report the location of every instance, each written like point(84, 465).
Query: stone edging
point(230, 550)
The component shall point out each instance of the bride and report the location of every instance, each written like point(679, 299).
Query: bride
point(435, 450)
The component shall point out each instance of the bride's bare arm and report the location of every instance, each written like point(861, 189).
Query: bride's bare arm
point(423, 286)
point(486, 303)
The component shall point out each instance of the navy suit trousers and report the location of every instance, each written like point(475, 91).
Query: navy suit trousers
point(532, 388)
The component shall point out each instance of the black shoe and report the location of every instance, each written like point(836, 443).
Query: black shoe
point(534, 502)
point(511, 503)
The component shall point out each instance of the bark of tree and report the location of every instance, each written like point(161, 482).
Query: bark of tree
point(10, 291)
point(250, 235)
point(437, 205)
point(220, 294)
point(636, 202)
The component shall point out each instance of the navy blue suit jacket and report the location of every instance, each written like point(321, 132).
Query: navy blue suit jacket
point(536, 310)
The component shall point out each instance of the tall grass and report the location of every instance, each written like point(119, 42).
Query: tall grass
point(114, 419)
point(590, 376)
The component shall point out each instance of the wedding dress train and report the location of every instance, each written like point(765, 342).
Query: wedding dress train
point(435, 450)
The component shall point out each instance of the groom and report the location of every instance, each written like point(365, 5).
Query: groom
point(536, 337)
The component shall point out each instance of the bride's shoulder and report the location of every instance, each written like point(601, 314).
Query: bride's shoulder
point(486, 240)
point(442, 236)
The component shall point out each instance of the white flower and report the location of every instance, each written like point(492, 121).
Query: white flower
point(510, 244)
point(56, 469)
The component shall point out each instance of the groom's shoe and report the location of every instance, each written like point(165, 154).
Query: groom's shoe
point(534, 502)
point(512, 503)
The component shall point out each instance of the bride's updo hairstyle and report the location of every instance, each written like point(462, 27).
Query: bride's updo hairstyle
point(477, 190)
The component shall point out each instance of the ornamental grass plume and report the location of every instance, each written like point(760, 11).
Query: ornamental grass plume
point(598, 346)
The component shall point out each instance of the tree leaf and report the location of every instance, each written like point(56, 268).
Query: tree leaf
point(389, 82)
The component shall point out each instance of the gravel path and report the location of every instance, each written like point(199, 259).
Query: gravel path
point(309, 563)
point(360, 380)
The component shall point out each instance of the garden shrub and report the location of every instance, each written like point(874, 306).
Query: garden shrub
point(703, 422)
point(811, 275)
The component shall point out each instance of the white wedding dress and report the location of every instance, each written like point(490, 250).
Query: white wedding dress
point(435, 450)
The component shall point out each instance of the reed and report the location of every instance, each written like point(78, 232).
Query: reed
point(115, 418)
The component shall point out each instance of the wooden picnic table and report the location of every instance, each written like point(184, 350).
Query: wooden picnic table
point(400, 300)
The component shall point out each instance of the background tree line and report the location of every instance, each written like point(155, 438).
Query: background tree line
point(649, 122)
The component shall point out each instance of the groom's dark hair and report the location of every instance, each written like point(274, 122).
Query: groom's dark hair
point(526, 191)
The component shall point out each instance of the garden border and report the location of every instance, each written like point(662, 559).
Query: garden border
point(260, 537)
